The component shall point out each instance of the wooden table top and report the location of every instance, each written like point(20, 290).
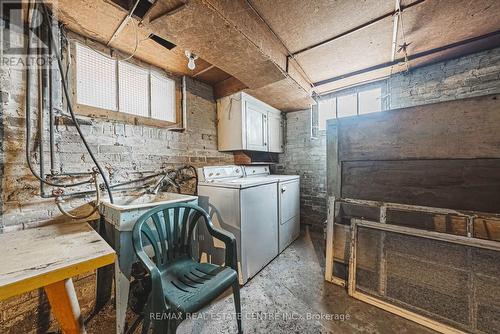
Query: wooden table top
point(37, 257)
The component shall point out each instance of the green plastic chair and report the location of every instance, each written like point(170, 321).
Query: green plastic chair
point(181, 285)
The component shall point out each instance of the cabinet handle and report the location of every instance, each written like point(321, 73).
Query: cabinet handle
point(283, 190)
point(265, 144)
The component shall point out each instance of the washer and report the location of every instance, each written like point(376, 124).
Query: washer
point(246, 207)
point(288, 193)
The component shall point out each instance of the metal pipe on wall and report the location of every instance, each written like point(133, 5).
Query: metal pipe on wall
point(52, 144)
point(395, 30)
point(28, 115)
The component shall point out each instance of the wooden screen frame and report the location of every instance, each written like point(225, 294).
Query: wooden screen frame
point(420, 319)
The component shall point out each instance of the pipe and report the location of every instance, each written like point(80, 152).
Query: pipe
point(184, 103)
point(28, 119)
point(70, 109)
point(395, 30)
point(52, 146)
point(42, 94)
point(59, 200)
point(136, 180)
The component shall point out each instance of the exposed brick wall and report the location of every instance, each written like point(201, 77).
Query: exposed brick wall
point(306, 157)
point(125, 150)
point(473, 75)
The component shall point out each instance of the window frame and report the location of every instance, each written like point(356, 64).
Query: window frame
point(382, 84)
point(118, 115)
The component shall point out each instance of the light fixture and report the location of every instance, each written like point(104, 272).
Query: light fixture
point(192, 57)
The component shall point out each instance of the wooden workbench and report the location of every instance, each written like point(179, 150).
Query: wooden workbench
point(48, 257)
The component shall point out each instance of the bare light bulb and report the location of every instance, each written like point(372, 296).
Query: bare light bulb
point(191, 58)
point(191, 64)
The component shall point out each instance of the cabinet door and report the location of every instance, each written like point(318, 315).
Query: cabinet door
point(256, 127)
point(275, 133)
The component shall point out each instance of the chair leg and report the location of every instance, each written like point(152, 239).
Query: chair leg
point(172, 326)
point(237, 304)
point(146, 322)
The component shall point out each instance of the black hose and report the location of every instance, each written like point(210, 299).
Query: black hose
point(28, 122)
point(70, 109)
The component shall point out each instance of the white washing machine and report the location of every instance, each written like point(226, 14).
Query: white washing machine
point(288, 193)
point(246, 207)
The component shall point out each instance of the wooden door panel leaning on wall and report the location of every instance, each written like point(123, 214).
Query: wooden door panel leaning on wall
point(440, 155)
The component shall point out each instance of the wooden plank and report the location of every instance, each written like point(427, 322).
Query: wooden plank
point(38, 257)
point(351, 280)
point(333, 189)
point(333, 162)
point(418, 208)
point(466, 128)
point(329, 239)
point(456, 239)
point(485, 228)
point(455, 184)
point(437, 326)
point(64, 304)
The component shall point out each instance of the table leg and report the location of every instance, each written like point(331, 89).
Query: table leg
point(64, 304)
point(104, 280)
point(123, 269)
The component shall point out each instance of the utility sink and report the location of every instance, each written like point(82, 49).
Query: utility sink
point(125, 210)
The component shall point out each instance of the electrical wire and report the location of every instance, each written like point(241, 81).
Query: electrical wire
point(70, 109)
point(135, 24)
point(137, 41)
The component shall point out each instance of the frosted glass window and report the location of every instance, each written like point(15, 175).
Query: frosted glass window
point(347, 105)
point(326, 110)
point(370, 101)
point(133, 83)
point(162, 98)
point(109, 84)
point(95, 79)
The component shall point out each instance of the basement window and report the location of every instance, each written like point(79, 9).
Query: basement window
point(133, 83)
point(95, 90)
point(350, 102)
point(105, 85)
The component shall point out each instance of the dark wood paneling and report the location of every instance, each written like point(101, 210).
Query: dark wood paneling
point(455, 184)
point(468, 128)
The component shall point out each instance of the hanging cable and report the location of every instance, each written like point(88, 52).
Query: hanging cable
point(60, 200)
point(70, 109)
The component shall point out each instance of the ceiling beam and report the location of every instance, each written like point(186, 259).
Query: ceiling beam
point(483, 38)
point(303, 73)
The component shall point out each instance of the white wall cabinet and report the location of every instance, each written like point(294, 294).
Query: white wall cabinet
point(245, 123)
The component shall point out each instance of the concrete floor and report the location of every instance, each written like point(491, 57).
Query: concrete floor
point(288, 296)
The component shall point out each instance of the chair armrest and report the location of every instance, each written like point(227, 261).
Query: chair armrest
point(229, 241)
point(157, 299)
point(148, 263)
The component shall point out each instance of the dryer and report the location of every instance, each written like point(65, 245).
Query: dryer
point(246, 207)
point(288, 194)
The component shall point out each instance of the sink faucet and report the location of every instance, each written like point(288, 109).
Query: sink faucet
point(154, 190)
